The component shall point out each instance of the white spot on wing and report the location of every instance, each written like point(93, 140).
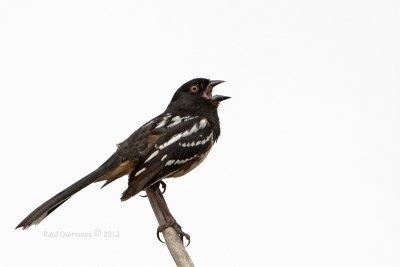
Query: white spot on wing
point(203, 123)
point(164, 121)
point(178, 119)
point(139, 172)
point(172, 140)
point(183, 161)
point(155, 153)
point(201, 142)
point(187, 118)
point(208, 138)
point(169, 162)
point(193, 130)
point(175, 121)
point(163, 157)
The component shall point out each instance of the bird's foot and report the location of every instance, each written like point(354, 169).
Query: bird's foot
point(157, 186)
point(172, 223)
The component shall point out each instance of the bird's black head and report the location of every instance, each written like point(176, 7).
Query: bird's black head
point(197, 93)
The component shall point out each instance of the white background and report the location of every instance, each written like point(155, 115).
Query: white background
point(306, 172)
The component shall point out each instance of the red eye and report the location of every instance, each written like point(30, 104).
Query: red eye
point(194, 89)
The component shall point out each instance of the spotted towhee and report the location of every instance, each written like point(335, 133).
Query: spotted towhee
point(170, 145)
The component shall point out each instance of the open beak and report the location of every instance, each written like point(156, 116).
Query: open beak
point(208, 92)
point(219, 98)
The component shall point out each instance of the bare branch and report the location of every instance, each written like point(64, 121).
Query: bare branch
point(172, 239)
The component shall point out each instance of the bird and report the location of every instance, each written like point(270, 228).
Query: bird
point(168, 146)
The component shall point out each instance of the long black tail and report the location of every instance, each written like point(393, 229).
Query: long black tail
point(108, 168)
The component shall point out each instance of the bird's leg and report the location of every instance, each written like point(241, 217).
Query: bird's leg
point(157, 185)
point(169, 219)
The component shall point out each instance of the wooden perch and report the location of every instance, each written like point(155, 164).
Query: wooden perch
point(171, 237)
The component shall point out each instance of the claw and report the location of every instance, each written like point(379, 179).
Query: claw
point(178, 230)
point(158, 234)
point(182, 234)
point(187, 238)
point(163, 188)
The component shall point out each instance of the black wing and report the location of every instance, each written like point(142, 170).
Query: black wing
point(183, 142)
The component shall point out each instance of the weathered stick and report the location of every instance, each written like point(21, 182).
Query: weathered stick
point(172, 239)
